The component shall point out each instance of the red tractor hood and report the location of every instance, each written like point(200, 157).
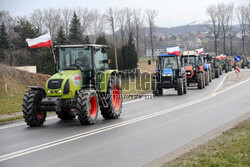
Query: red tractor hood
point(189, 68)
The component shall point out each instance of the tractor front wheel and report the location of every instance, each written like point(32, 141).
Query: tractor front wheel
point(87, 106)
point(185, 85)
point(113, 99)
point(32, 113)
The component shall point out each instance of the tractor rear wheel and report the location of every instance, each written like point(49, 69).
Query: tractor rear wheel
point(32, 113)
point(87, 106)
point(206, 78)
point(199, 81)
point(210, 75)
point(217, 73)
point(114, 99)
point(185, 85)
point(66, 114)
point(180, 86)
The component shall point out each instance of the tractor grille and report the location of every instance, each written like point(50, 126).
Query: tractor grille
point(55, 83)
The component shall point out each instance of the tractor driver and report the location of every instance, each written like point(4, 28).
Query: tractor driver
point(169, 64)
point(82, 60)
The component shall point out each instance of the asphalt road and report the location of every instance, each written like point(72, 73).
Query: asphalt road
point(147, 129)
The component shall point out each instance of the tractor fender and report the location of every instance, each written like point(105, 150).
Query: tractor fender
point(37, 88)
point(103, 85)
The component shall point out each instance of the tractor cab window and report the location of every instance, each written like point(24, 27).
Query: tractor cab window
point(101, 61)
point(200, 60)
point(70, 57)
point(168, 62)
point(187, 61)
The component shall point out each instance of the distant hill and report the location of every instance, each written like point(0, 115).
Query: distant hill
point(184, 29)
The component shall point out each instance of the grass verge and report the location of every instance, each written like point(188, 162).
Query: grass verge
point(230, 149)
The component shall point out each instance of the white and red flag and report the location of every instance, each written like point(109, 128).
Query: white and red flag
point(41, 41)
point(174, 50)
point(201, 50)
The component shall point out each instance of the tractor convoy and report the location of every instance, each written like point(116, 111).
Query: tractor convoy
point(83, 83)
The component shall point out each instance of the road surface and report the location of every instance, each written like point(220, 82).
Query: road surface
point(147, 130)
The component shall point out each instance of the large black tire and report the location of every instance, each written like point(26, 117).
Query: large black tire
point(66, 114)
point(220, 71)
point(180, 89)
point(199, 81)
point(32, 114)
point(185, 85)
point(114, 99)
point(206, 78)
point(87, 106)
point(226, 69)
point(156, 90)
point(210, 75)
point(213, 73)
point(217, 73)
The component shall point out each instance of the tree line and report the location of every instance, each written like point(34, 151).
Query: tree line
point(221, 19)
point(122, 29)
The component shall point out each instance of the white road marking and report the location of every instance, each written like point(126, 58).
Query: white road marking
point(109, 127)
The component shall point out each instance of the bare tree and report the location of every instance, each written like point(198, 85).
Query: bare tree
point(52, 20)
point(121, 22)
point(242, 14)
point(129, 22)
point(138, 26)
point(66, 16)
point(151, 14)
point(224, 14)
point(37, 19)
point(86, 17)
point(110, 17)
point(214, 24)
point(98, 24)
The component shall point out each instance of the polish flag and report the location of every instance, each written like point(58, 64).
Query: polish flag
point(220, 57)
point(41, 41)
point(174, 50)
point(224, 57)
point(201, 50)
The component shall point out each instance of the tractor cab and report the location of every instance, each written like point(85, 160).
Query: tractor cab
point(168, 65)
point(87, 59)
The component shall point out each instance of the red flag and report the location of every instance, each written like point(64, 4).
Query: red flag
point(41, 41)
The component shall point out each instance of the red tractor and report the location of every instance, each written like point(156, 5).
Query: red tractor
point(194, 68)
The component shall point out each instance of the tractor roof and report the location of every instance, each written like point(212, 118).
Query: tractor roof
point(166, 55)
point(189, 53)
point(82, 46)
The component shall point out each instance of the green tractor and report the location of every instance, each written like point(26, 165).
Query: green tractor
point(82, 85)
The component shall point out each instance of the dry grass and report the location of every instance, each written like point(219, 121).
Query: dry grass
point(16, 82)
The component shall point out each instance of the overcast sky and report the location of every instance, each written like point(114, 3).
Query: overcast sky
point(170, 12)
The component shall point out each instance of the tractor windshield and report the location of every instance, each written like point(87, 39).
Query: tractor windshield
point(168, 62)
point(188, 60)
point(75, 57)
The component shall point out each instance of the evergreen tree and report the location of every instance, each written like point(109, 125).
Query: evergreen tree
point(4, 43)
point(129, 55)
point(101, 40)
point(61, 37)
point(86, 40)
point(25, 30)
point(75, 33)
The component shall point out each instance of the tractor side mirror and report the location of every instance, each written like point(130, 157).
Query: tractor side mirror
point(149, 62)
point(104, 50)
